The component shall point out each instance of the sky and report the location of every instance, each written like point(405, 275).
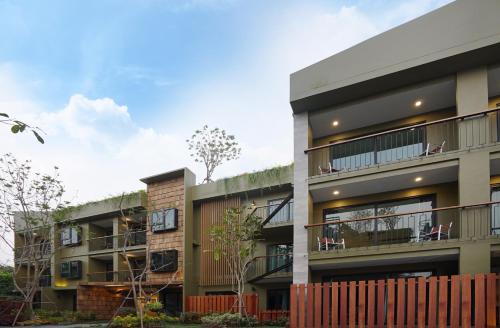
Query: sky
point(118, 86)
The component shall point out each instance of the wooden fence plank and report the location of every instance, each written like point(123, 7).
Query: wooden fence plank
point(326, 305)
point(455, 302)
point(343, 304)
point(491, 294)
point(432, 303)
point(335, 305)
point(293, 306)
point(443, 302)
point(380, 303)
point(422, 301)
point(302, 306)
point(317, 305)
point(310, 306)
point(352, 304)
point(466, 301)
point(371, 304)
point(410, 307)
point(479, 295)
point(390, 302)
point(361, 304)
point(401, 303)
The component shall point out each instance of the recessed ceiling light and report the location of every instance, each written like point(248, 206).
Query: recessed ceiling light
point(335, 123)
point(336, 192)
point(418, 103)
point(418, 179)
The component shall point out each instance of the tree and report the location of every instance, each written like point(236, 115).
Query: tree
point(28, 201)
point(17, 126)
point(212, 148)
point(235, 242)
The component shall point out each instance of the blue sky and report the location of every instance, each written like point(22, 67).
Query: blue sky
point(117, 86)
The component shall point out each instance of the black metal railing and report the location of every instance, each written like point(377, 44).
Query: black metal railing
point(469, 221)
point(282, 216)
point(406, 143)
point(35, 251)
point(275, 266)
point(117, 276)
point(113, 242)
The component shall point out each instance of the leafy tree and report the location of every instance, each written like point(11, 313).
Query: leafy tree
point(7, 286)
point(17, 126)
point(235, 242)
point(28, 201)
point(212, 147)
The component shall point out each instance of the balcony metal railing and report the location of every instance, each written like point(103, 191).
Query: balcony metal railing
point(35, 251)
point(43, 281)
point(115, 276)
point(477, 220)
point(275, 266)
point(113, 242)
point(283, 216)
point(406, 143)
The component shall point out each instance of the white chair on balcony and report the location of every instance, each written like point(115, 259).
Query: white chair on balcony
point(325, 244)
point(439, 232)
point(434, 149)
point(327, 170)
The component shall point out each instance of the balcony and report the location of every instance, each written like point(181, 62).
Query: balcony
point(45, 280)
point(33, 252)
point(412, 142)
point(411, 228)
point(115, 276)
point(116, 242)
point(277, 214)
point(273, 268)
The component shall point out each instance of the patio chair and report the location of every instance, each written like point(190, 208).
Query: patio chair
point(439, 232)
point(326, 244)
point(433, 149)
point(327, 170)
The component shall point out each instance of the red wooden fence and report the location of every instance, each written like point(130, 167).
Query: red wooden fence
point(457, 301)
point(221, 304)
point(272, 315)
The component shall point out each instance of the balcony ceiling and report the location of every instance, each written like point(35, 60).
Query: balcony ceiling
point(431, 174)
point(435, 95)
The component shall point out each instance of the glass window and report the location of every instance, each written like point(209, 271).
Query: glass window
point(391, 229)
point(70, 236)
point(495, 211)
point(164, 220)
point(285, 214)
point(278, 256)
point(278, 299)
point(377, 150)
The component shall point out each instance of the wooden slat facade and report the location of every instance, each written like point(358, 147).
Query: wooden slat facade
point(214, 273)
point(456, 301)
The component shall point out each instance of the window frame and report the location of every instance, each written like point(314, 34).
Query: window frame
point(163, 220)
point(74, 270)
point(71, 230)
point(164, 268)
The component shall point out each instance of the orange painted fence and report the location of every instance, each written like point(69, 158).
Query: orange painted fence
point(456, 301)
point(221, 304)
point(272, 315)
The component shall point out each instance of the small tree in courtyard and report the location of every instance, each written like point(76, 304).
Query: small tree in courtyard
point(234, 243)
point(212, 147)
point(28, 201)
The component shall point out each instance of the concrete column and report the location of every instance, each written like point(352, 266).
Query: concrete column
point(302, 203)
point(474, 169)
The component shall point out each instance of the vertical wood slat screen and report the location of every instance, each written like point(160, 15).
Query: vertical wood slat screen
point(456, 301)
point(222, 304)
point(213, 273)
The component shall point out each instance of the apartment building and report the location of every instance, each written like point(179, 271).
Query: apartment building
point(169, 222)
point(397, 153)
point(396, 168)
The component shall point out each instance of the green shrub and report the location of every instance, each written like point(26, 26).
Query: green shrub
point(280, 322)
point(190, 317)
point(131, 321)
point(124, 311)
point(85, 316)
point(155, 307)
point(225, 320)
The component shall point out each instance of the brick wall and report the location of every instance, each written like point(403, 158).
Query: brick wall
point(103, 301)
point(167, 194)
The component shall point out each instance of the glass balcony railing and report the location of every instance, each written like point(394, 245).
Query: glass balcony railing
point(406, 143)
point(282, 216)
point(438, 224)
point(114, 242)
point(273, 266)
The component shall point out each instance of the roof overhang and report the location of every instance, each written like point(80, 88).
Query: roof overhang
point(458, 36)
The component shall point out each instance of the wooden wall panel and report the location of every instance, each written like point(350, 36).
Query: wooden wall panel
point(214, 273)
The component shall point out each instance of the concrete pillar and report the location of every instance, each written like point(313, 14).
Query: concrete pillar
point(302, 203)
point(474, 169)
